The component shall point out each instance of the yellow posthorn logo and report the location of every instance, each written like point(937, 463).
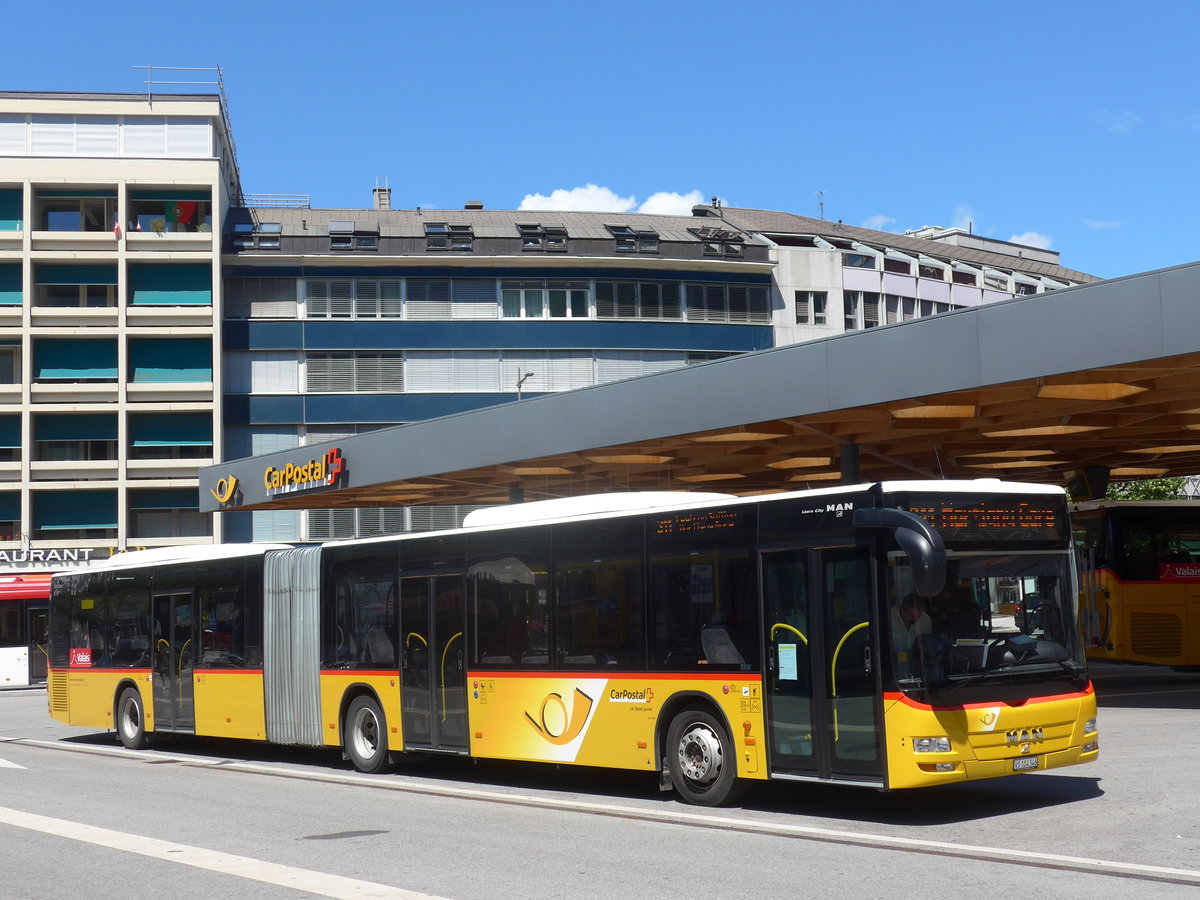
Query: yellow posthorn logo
point(224, 489)
point(555, 725)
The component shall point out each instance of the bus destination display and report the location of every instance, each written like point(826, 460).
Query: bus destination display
point(992, 518)
point(696, 522)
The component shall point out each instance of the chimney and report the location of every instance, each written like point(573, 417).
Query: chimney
point(473, 204)
point(383, 196)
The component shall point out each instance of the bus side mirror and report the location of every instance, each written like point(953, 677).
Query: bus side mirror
point(924, 546)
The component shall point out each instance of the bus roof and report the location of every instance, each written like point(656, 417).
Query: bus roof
point(160, 555)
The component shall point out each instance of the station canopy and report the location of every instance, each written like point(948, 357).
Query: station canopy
point(1104, 376)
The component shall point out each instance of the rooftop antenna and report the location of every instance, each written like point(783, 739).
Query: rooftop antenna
point(820, 204)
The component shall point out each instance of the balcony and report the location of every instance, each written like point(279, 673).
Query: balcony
point(75, 392)
point(169, 315)
point(166, 468)
point(10, 470)
point(74, 470)
point(169, 241)
point(12, 240)
point(166, 391)
point(61, 317)
point(96, 241)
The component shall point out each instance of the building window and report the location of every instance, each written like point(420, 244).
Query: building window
point(10, 364)
point(170, 211)
point(544, 299)
point(995, 281)
point(928, 271)
point(738, 303)
point(260, 298)
point(75, 437)
point(1024, 289)
point(634, 240)
point(535, 236)
point(810, 307)
point(84, 286)
point(167, 513)
point(899, 266)
point(448, 236)
point(76, 210)
point(858, 261)
point(961, 277)
point(870, 309)
point(347, 372)
point(155, 360)
point(74, 515)
point(852, 309)
point(719, 242)
point(257, 236)
point(358, 298)
point(170, 435)
point(66, 360)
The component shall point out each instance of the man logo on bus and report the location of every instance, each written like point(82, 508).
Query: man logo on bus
point(555, 724)
point(1023, 737)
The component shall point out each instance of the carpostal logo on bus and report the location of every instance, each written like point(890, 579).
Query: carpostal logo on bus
point(625, 695)
point(311, 474)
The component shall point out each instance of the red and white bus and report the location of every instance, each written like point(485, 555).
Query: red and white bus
point(24, 603)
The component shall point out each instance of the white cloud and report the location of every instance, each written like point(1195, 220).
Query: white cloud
point(879, 223)
point(1033, 239)
point(1097, 225)
point(594, 198)
point(590, 198)
point(668, 203)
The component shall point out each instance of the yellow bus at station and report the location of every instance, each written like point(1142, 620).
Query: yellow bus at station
point(859, 635)
point(1140, 581)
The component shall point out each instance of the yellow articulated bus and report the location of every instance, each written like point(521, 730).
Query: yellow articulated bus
point(857, 635)
point(1140, 581)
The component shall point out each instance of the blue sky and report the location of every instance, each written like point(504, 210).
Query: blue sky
point(1061, 124)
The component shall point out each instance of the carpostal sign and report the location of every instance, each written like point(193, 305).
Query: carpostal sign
point(314, 473)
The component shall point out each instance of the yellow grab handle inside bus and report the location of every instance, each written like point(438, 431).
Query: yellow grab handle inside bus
point(795, 631)
point(833, 673)
point(444, 652)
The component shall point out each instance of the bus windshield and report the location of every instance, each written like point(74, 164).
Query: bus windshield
point(1001, 617)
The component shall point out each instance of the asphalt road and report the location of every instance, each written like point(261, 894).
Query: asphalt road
point(81, 816)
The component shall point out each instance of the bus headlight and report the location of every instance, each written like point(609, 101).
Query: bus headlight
point(931, 745)
point(1089, 726)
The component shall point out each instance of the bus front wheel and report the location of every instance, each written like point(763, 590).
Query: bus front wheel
point(701, 759)
point(365, 736)
point(131, 720)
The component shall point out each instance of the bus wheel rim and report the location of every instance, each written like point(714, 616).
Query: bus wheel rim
point(700, 755)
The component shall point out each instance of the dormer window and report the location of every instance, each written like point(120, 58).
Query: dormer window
point(634, 240)
point(719, 242)
point(532, 236)
point(257, 236)
point(448, 236)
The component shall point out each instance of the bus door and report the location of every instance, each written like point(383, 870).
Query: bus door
point(821, 678)
point(173, 661)
point(433, 674)
point(37, 627)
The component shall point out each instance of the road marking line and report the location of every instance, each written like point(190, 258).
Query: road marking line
point(322, 883)
point(5, 764)
point(1087, 865)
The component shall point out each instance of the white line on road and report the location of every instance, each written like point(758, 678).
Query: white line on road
point(5, 764)
point(1087, 865)
point(321, 883)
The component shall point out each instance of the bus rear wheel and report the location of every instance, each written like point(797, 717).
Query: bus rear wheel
point(131, 720)
point(701, 760)
point(365, 736)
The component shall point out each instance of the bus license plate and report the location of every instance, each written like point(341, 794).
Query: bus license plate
point(1025, 763)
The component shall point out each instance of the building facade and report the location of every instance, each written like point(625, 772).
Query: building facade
point(110, 213)
point(154, 319)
